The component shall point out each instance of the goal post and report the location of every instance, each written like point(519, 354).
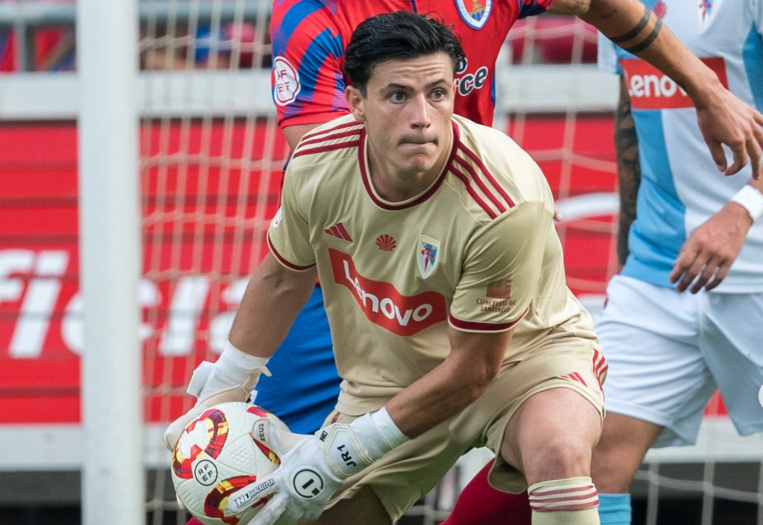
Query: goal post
point(113, 473)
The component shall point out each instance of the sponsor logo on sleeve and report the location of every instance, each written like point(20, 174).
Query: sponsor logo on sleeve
point(383, 305)
point(286, 84)
point(500, 289)
point(649, 88)
point(497, 297)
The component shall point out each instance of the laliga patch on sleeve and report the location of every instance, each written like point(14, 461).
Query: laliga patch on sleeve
point(286, 83)
point(277, 219)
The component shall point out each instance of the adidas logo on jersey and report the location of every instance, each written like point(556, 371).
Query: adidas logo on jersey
point(339, 231)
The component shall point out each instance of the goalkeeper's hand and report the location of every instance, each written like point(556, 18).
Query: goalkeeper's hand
point(231, 378)
point(313, 467)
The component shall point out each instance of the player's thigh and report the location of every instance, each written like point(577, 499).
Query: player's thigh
point(552, 434)
point(574, 367)
point(650, 337)
point(732, 345)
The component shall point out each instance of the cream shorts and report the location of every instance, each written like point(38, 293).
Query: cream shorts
point(407, 473)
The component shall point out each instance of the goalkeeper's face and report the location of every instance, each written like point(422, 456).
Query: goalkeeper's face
point(407, 108)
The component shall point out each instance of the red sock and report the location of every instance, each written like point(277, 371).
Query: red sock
point(194, 521)
point(481, 504)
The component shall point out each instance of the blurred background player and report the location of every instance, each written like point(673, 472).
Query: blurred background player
point(53, 50)
point(308, 84)
point(692, 229)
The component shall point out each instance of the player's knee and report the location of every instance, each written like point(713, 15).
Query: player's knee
point(557, 457)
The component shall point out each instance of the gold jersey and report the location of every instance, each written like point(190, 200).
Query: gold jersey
point(477, 250)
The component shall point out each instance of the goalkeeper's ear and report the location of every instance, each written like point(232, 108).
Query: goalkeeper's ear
point(355, 102)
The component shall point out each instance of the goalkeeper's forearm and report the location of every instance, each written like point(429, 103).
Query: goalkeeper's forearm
point(272, 300)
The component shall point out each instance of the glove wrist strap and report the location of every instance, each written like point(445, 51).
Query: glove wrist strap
point(236, 365)
point(234, 369)
point(387, 429)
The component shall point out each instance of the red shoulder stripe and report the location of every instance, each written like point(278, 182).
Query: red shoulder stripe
point(320, 133)
point(329, 147)
point(494, 183)
point(318, 140)
point(470, 190)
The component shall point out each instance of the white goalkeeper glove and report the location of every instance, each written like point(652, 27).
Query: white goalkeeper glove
point(313, 467)
point(231, 378)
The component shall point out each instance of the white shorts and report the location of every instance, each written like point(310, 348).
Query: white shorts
point(667, 352)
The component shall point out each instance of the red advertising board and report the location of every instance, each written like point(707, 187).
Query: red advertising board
point(203, 225)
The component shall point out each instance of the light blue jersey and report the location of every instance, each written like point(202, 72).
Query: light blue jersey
point(681, 186)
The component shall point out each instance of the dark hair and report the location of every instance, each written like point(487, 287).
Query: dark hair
point(397, 35)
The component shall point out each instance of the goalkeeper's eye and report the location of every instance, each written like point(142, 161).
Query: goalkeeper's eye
point(397, 96)
point(438, 94)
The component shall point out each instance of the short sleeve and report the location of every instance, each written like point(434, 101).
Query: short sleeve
point(289, 231)
point(606, 57)
point(306, 75)
point(756, 11)
point(501, 270)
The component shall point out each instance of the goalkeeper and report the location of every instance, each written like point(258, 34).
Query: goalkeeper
point(451, 322)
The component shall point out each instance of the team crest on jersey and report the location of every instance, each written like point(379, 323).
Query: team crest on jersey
point(428, 249)
point(704, 12)
point(477, 12)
